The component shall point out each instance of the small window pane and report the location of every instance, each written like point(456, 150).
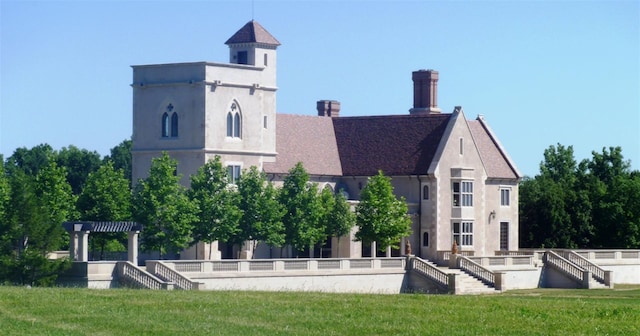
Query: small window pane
point(229, 124)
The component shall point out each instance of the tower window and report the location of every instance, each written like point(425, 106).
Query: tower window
point(463, 233)
point(233, 173)
point(461, 146)
point(234, 122)
point(462, 194)
point(165, 125)
point(425, 192)
point(243, 57)
point(265, 121)
point(174, 125)
point(425, 239)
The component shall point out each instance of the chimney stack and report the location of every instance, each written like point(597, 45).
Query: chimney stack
point(328, 108)
point(425, 92)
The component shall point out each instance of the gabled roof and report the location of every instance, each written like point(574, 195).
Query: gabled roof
point(496, 161)
point(396, 144)
point(252, 32)
point(307, 139)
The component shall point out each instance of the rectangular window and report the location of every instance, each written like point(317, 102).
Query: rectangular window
point(462, 194)
point(463, 233)
point(504, 236)
point(505, 197)
point(233, 173)
point(243, 57)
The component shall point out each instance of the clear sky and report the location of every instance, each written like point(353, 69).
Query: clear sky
point(540, 72)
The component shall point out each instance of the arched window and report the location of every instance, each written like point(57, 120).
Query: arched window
point(234, 122)
point(425, 239)
point(229, 125)
point(425, 192)
point(236, 125)
point(174, 124)
point(165, 125)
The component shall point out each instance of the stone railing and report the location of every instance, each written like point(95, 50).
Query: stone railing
point(469, 266)
point(443, 257)
point(166, 273)
point(506, 260)
point(284, 265)
point(598, 272)
point(421, 266)
point(136, 276)
point(609, 254)
point(575, 272)
point(537, 254)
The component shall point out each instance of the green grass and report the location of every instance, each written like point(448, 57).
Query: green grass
point(63, 311)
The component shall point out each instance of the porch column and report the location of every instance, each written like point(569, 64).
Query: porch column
point(83, 247)
point(73, 246)
point(132, 247)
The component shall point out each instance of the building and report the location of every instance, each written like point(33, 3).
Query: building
point(459, 182)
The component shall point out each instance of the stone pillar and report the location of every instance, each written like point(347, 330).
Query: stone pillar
point(83, 247)
point(132, 248)
point(374, 250)
point(453, 261)
point(586, 280)
point(608, 278)
point(388, 252)
point(454, 287)
point(500, 281)
point(73, 246)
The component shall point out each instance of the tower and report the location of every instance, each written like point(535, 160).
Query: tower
point(197, 110)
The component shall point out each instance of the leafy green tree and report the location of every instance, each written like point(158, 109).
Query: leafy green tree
point(30, 161)
point(121, 158)
point(106, 196)
point(218, 215)
point(79, 163)
point(5, 192)
point(161, 205)
point(380, 216)
point(303, 210)
point(338, 217)
point(261, 212)
point(33, 226)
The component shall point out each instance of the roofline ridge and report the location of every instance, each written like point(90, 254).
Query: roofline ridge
point(495, 140)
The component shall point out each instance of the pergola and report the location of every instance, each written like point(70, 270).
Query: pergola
point(79, 237)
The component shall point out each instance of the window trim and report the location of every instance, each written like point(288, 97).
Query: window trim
point(174, 125)
point(234, 171)
point(425, 192)
point(505, 191)
point(462, 196)
point(465, 233)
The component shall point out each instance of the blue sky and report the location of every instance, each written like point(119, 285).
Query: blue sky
point(541, 73)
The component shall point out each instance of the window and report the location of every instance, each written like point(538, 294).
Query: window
point(265, 59)
point(461, 146)
point(233, 173)
point(174, 125)
point(463, 194)
point(165, 125)
point(504, 236)
point(234, 122)
point(243, 57)
point(425, 192)
point(505, 197)
point(425, 239)
point(463, 233)
point(265, 121)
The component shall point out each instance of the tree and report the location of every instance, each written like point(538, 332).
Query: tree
point(380, 216)
point(261, 212)
point(5, 192)
point(79, 163)
point(30, 161)
point(33, 226)
point(106, 196)
point(161, 205)
point(338, 217)
point(121, 158)
point(217, 211)
point(303, 210)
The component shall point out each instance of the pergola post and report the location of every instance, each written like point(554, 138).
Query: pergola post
point(83, 254)
point(132, 248)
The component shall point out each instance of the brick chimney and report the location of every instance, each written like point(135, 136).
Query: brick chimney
point(328, 108)
point(425, 92)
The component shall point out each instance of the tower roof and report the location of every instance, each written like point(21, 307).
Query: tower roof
point(252, 32)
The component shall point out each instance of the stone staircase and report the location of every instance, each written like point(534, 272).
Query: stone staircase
point(469, 285)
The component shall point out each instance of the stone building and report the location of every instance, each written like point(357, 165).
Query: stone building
point(459, 182)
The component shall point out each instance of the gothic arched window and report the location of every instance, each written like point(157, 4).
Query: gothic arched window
point(165, 125)
point(174, 125)
point(234, 122)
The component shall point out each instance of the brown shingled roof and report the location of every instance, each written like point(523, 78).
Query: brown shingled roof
point(252, 32)
point(495, 162)
point(307, 139)
point(397, 145)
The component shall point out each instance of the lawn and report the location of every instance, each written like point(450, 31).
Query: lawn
point(63, 311)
